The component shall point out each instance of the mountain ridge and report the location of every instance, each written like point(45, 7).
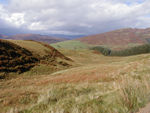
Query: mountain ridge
point(36, 37)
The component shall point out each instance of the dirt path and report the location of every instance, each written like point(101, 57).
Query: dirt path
point(146, 109)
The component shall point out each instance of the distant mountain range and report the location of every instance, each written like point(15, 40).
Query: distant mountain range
point(36, 37)
point(70, 37)
point(119, 37)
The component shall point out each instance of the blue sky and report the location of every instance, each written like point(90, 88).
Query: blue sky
point(4, 1)
point(73, 17)
point(133, 1)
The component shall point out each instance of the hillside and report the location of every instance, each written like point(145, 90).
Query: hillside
point(20, 56)
point(36, 37)
point(119, 38)
point(14, 58)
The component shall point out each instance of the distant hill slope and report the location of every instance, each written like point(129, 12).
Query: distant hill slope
point(3, 36)
point(20, 56)
point(121, 37)
point(36, 37)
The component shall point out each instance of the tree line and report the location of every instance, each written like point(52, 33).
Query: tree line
point(125, 52)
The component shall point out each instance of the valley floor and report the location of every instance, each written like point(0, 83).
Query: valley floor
point(95, 84)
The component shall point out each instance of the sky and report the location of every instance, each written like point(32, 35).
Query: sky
point(72, 17)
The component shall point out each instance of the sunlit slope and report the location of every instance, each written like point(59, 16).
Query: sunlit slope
point(33, 46)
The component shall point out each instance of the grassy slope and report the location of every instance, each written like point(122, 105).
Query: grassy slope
point(71, 44)
point(35, 47)
point(98, 85)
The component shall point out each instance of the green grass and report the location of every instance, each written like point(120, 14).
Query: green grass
point(71, 44)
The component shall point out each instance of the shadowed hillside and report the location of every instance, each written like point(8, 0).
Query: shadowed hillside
point(14, 58)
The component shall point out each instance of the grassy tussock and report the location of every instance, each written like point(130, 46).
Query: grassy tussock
point(69, 99)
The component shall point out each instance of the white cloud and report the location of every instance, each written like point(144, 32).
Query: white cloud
point(36, 26)
point(76, 16)
point(16, 19)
